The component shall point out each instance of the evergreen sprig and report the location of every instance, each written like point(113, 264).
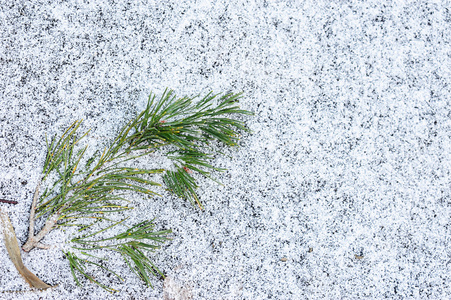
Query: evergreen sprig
point(74, 195)
point(191, 127)
point(131, 244)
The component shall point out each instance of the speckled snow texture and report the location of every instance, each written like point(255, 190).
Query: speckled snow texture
point(350, 151)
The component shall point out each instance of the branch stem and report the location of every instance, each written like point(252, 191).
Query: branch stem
point(33, 241)
point(33, 209)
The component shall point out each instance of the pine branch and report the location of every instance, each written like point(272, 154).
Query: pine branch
point(128, 243)
point(73, 195)
point(190, 127)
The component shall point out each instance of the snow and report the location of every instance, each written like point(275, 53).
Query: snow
point(349, 156)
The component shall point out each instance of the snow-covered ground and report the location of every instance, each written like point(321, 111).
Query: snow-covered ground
point(341, 191)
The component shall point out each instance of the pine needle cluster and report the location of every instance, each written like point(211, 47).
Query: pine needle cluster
point(92, 197)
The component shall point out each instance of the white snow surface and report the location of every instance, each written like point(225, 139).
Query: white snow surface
point(342, 190)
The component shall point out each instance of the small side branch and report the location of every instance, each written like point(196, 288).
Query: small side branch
point(34, 240)
point(33, 209)
point(43, 246)
point(47, 228)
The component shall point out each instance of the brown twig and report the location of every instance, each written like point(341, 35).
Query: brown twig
point(8, 201)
